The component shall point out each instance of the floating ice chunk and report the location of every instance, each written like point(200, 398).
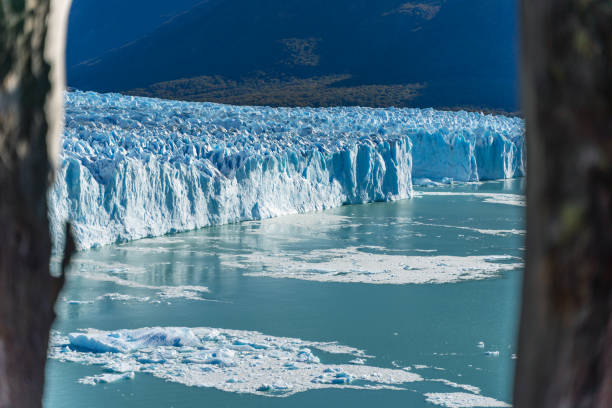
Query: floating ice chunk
point(106, 378)
point(333, 376)
point(121, 297)
point(467, 387)
point(496, 232)
point(111, 297)
point(163, 292)
point(306, 356)
point(494, 198)
point(463, 400)
point(78, 302)
point(97, 271)
point(138, 167)
point(335, 348)
point(124, 341)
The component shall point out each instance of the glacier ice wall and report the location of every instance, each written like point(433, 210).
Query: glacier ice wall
point(139, 167)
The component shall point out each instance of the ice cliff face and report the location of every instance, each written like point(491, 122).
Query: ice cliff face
point(138, 167)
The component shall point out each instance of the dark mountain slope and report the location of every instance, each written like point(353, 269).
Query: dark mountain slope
point(463, 51)
point(97, 26)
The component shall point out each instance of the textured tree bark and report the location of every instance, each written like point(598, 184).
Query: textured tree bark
point(565, 341)
point(31, 53)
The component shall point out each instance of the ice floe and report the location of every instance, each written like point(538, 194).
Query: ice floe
point(239, 361)
point(496, 232)
point(131, 276)
point(106, 378)
point(463, 400)
point(163, 292)
point(229, 360)
point(358, 265)
point(494, 198)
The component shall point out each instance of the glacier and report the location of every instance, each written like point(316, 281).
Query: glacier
point(134, 167)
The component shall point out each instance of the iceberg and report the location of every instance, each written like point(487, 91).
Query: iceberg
point(135, 167)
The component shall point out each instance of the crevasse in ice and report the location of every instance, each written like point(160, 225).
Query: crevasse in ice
point(136, 167)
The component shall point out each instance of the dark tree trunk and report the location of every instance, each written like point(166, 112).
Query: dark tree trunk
point(29, 118)
point(565, 343)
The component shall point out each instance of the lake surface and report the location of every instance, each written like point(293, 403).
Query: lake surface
point(410, 303)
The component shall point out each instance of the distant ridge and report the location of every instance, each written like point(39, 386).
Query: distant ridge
point(441, 53)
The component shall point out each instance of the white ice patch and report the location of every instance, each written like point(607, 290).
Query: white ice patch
point(494, 198)
point(121, 297)
point(77, 302)
point(113, 272)
point(353, 264)
point(106, 378)
point(467, 387)
point(229, 360)
point(463, 400)
point(496, 232)
point(163, 292)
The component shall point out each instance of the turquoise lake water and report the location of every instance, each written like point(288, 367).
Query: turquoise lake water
point(424, 293)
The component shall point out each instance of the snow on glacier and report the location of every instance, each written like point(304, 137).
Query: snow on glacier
point(138, 167)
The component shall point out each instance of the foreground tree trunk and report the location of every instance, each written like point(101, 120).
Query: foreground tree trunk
point(565, 343)
point(31, 68)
